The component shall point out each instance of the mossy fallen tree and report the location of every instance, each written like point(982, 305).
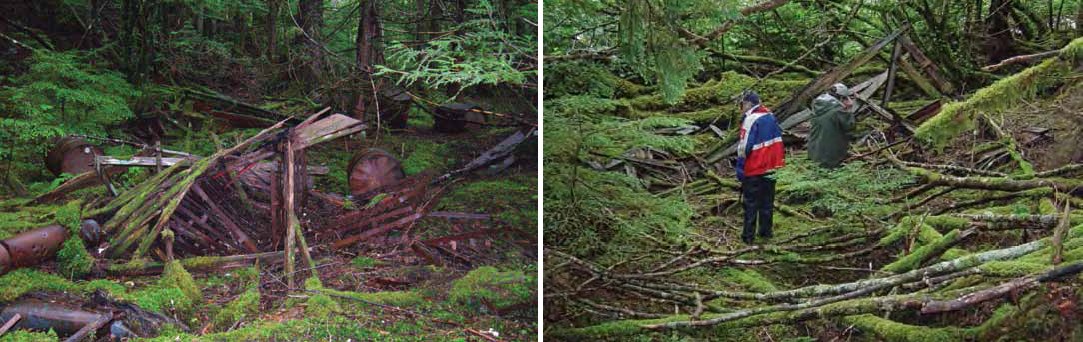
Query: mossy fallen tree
point(958, 117)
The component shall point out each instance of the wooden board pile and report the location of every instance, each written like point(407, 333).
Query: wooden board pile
point(211, 206)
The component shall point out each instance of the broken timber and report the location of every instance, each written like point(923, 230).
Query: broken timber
point(213, 221)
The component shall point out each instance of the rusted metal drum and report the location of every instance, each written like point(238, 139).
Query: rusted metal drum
point(5, 260)
point(457, 117)
point(373, 169)
point(43, 316)
point(71, 155)
point(35, 246)
point(395, 106)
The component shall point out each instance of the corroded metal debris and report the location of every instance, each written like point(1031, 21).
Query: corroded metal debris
point(373, 169)
point(457, 117)
point(71, 155)
point(31, 247)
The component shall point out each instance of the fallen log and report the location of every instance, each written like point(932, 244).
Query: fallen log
point(1021, 59)
point(1012, 286)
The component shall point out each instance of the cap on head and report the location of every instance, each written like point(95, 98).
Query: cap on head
point(840, 90)
point(750, 97)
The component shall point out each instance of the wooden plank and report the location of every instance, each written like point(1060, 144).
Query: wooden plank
point(10, 323)
point(798, 100)
point(329, 128)
point(141, 161)
point(925, 112)
point(887, 115)
point(926, 65)
point(223, 218)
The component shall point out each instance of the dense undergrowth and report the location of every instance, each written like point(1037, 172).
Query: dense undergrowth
point(632, 257)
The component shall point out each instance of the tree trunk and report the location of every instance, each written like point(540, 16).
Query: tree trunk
point(369, 53)
point(999, 41)
point(272, 31)
point(420, 19)
point(310, 17)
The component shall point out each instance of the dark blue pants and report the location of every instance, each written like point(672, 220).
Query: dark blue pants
point(759, 200)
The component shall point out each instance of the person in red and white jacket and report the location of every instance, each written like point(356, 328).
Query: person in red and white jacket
point(759, 153)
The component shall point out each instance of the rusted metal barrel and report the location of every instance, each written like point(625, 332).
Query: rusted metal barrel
point(42, 316)
point(457, 117)
point(395, 106)
point(71, 155)
point(373, 169)
point(32, 247)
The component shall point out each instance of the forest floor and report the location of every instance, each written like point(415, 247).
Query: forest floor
point(367, 292)
point(863, 252)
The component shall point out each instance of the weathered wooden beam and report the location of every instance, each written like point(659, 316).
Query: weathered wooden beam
point(141, 161)
point(329, 128)
point(926, 65)
point(799, 99)
point(223, 218)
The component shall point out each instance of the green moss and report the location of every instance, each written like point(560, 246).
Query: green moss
point(955, 118)
point(889, 330)
point(947, 222)
point(246, 305)
point(29, 336)
point(200, 262)
point(174, 275)
point(750, 279)
point(109, 286)
point(363, 262)
point(131, 265)
point(70, 216)
point(719, 91)
point(511, 199)
point(420, 118)
point(163, 300)
point(487, 284)
point(427, 155)
point(73, 259)
point(335, 328)
point(578, 78)
point(609, 330)
point(396, 298)
point(319, 305)
point(1011, 268)
point(923, 253)
point(20, 281)
point(908, 227)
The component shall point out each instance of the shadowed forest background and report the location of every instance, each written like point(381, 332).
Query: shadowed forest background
point(955, 216)
point(228, 142)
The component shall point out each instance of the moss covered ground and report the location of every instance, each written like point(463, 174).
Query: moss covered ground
point(863, 220)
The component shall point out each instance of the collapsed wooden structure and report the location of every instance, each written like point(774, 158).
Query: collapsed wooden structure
point(247, 203)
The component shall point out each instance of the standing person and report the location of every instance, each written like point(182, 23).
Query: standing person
point(759, 153)
point(832, 120)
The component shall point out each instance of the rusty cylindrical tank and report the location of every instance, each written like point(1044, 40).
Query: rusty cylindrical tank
point(372, 169)
point(42, 316)
point(32, 247)
point(71, 155)
point(457, 117)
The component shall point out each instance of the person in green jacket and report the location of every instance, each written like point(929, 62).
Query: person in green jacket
point(832, 120)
